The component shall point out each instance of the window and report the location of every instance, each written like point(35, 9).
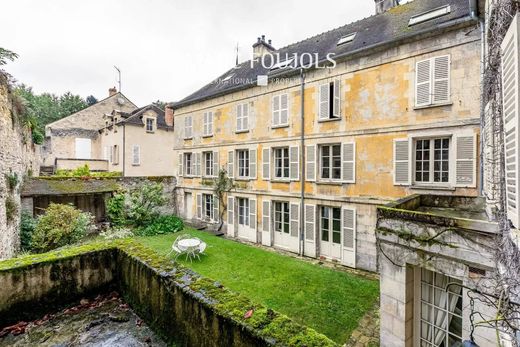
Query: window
point(330, 224)
point(188, 164)
point(136, 155)
point(208, 124)
point(280, 110)
point(432, 158)
point(441, 310)
point(281, 217)
point(243, 211)
point(242, 117)
point(346, 39)
point(281, 162)
point(329, 101)
point(243, 163)
point(208, 207)
point(208, 163)
point(432, 81)
point(188, 127)
point(330, 162)
point(150, 125)
point(423, 17)
point(115, 155)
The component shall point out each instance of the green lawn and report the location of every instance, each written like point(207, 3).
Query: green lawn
point(331, 302)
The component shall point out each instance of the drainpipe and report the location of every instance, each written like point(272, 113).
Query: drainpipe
point(302, 163)
point(124, 149)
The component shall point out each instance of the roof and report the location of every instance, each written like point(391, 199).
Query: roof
point(135, 117)
point(373, 32)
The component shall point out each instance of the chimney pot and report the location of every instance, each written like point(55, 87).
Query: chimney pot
point(263, 37)
point(384, 5)
point(112, 91)
point(269, 42)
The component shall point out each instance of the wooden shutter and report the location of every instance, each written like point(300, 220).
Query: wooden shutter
point(402, 162)
point(324, 101)
point(216, 164)
point(266, 216)
point(349, 237)
point(466, 160)
point(230, 169)
point(205, 124)
point(266, 161)
point(423, 94)
point(310, 165)
point(441, 79)
point(216, 209)
point(239, 117)
point(252, 214)
point(284, 109)
point(294, 216)
point(252, 163)
point(199, 206)
point(198, 164)
point(337, 99)
point(294, 163)
point(348, 162)
point(230, 216)
point(276, 110)
point(136, 155)
point(210, 123)
point(245, 116)
point(310, 221)
point(180, 165)
point(511, 119)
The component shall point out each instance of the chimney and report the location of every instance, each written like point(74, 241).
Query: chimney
point(262, 47)
point(168, 116)
point(112, 91)
point(385, 5)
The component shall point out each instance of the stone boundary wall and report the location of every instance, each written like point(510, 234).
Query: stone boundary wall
point(177, 303)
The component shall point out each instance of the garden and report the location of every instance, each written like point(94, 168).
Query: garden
point(331, 302)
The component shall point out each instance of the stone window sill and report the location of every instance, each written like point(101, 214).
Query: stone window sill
point(433, 105)
point(279, 126)
point(330, 183)
point(424, 187)
point(241, 131)
point(329, 120)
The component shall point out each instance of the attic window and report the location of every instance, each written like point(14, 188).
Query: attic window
point(282, 64)
point(423, 17)
point(346, 39)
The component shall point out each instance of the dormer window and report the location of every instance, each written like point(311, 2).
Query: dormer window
point(346, 39)
point(150, 125)
point(423, 17)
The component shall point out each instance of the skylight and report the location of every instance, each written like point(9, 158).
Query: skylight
point(346, 39)
point(282, 64)
point(423, 17)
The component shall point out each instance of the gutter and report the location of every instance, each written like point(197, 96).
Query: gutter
point(302, 164)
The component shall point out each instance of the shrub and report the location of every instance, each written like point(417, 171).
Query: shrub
point(37, 137)
point(162, 225)
point(116, 209)
point(11, 208)
point(116, 233)
point(12, 180)
point(84, 171)
point(27, 225)
point(60, 225)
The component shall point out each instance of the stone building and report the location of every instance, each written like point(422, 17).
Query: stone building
point(388, 112)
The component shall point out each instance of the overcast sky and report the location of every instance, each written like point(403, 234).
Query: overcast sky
point(166, 49)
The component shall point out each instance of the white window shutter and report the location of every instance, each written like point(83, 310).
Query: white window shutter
point(180, 165)
point(239, 117)
point(276, 110)
point(324, 101)
point(210, 123)
point(230, 167)
point(245, 115)
point(205, 123)
point(198, 164)
point(466, 160)
point(216, 163)
point(349, 237)
point(199, 206)
point(252, 163)
point(266, 161)
point(284, 109)
point(252, 214)
point(310, 165)
point(348, 162)
point(294, 216)
point(441, 79)
point(230, 216)
point(337, 99)
point(216, 209)
point(266, 216)
point(294, 163)
point(423, 93)
point(511, 117)
point(310, 222)
point(402, 162)
point(136, 155)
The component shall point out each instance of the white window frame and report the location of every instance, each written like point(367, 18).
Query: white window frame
point(331, 166)
point(281, 217)
point(286, 165)
point(208, 202)
point(208, 124)
point(242, 163)
point(189, 169)
point(188, 127)
point(210, 166)
point(134, 149)
point(243, 211)
point(150, 125)
point(330, 218)
point(242, 116)
point(432, 82)
point(431, 181)
point(278, 110)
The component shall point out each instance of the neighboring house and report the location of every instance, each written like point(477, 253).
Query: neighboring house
point(74, 141)
point(396, 116)
point(139, 143)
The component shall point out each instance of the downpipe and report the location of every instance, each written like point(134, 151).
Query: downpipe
point(302, 164)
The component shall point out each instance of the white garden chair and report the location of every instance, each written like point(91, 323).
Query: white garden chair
point(176, 248)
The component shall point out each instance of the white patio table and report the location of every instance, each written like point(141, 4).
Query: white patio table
point(190, 247)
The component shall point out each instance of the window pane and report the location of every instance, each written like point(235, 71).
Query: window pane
point(336, 237)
